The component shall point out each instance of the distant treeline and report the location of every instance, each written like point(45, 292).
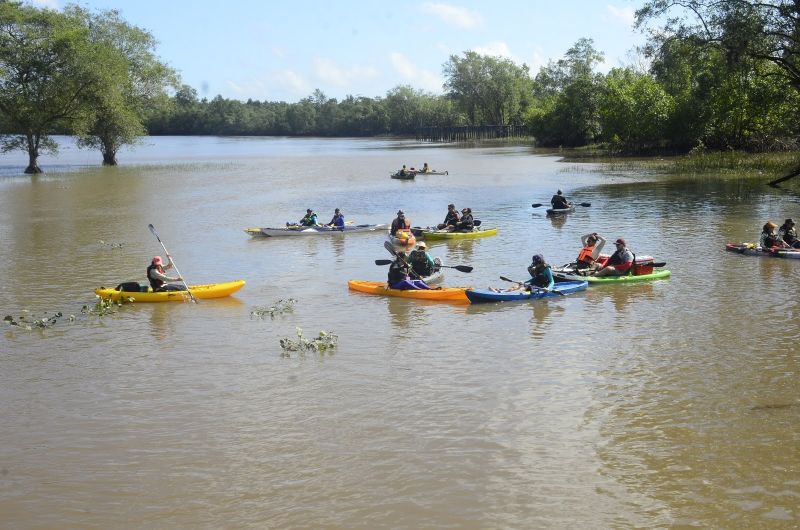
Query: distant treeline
point(718, 75)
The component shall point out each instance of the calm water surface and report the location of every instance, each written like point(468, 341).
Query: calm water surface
point(667, 404)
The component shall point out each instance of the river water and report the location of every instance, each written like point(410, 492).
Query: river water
point(673, 403)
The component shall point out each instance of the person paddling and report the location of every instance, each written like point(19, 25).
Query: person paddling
point(421, 262)
point(338, 219)
point(450, 220)
point(769, 239)
point(400, 223)
point(309, 219)
point(619, 263)
point(559, 202)
point(587, 258)
point(788, 234)
point(157, 277)
point(398, 277)
point(541, 275)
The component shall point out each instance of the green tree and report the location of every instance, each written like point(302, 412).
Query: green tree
point(131, 82)
point(47, 69)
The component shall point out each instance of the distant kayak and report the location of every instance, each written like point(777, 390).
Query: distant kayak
point(450, 294)
point(432, 234)
point(141, 292)
point(492, 295)
point(296, 230)
point(750, 249)
point(408, 176)
point(560, 211)
point(403, 240)
point(432, 172)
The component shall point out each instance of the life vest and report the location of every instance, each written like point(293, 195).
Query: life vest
point(586, 255)
point(420, 263)
point(539, 279)
point(155, 283)
point(397, 272)
point(616, 261)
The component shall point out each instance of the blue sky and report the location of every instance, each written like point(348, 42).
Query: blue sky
point(282, 51)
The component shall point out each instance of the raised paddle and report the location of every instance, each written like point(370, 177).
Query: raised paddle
point(533, 286)
point(462, 268)
point(584, 204)
point(153, 229)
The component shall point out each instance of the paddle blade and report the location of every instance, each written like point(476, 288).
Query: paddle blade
point(586, 204)
point(462, 268)
point(388, 246)
point(536, 205)
point(477, 222)
point(383, 262)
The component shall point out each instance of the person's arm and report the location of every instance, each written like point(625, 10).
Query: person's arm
point(601, 242)
point(158, 275)
point(549, 275)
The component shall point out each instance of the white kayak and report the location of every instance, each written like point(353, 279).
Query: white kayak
point(295, 230)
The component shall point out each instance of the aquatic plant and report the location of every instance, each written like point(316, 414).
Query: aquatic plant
point(26, 322)
point(321, 343)
point(105, 307)
point(279, 307)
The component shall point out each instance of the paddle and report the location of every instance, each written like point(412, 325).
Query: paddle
point(388, 246)
point(533, 286)
point(584, 204)
point(462, 268)
point(153, 230)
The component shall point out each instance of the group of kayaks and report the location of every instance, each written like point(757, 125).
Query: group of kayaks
point(411, 173)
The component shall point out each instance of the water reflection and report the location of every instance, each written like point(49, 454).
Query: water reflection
point(557, 221)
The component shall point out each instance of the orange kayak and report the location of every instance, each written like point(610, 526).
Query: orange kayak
point(450, 294)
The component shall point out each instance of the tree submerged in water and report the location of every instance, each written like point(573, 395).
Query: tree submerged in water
point(321, 343)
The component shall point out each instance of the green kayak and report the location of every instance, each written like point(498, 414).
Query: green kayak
point(563, 275)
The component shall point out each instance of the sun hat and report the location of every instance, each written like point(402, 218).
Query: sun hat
point(620, 241)
point(422, 245)
point(771, 224)
point(157, 260)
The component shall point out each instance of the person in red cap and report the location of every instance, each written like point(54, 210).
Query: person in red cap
point(157, 277)
point(620, 261)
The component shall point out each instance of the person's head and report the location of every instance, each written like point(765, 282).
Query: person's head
point(400, 214)
point(789, 222)
point(537, 260)
point(770, 226)
point(422, 246)
point(620, 243)
point(336, 210)
point(451, 206)
point(465, 210)
point(309, 210)
point(157, 261)
point(591, 240)
point(404, 166)
point(558, 192)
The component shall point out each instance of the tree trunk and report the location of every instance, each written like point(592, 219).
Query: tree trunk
point(33, 156)
point(109, 150)
point(109, 158)
point(792, 174)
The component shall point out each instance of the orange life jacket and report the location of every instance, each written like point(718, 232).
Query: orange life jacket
point(586, 256)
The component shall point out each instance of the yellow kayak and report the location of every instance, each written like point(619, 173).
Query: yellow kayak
point(450, 294)
point(201, 292)
point(443, 234)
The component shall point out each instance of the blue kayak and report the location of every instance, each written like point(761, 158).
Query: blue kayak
point(488, 295)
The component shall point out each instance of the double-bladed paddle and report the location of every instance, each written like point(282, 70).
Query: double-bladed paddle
point(388, 246)
point(532, 286)
point(584, 204)
point(153, 230)
point(462, 268)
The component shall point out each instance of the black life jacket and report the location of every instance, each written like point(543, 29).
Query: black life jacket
point(155, 283)
point(538, 278)
point(420, 264)
point(397, 272)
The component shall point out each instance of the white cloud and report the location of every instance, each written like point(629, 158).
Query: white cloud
point(284, 85)
point(623, 14)
point(328, 71)
point(418, 78)
point(496, 49)
point(453, 15)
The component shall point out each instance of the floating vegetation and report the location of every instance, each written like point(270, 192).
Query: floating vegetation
point(104, 307)
point(278, 308)
point(29, 323)
point(323, 342)
point(110, 245)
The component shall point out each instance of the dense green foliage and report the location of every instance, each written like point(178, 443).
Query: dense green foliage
point(722, 76)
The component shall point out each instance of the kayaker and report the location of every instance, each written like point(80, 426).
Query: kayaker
point(541, 275)
point(769, 238)
point(619, 263)
point(559, 202)
point(404, 172)
point(309, 219)
point(157, 277)
point(400, 223)
point(399, 272)
point(338, 219)
point(421, 262)
point(450, 220)
point(592, 245)
point(467, 223)
point(788, 234)
point(425, 168)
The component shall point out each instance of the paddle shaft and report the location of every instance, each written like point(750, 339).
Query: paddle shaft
point(461, 268)
point(584, 204)
point(153, 230)
point(388, 246)
point(532, 286)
